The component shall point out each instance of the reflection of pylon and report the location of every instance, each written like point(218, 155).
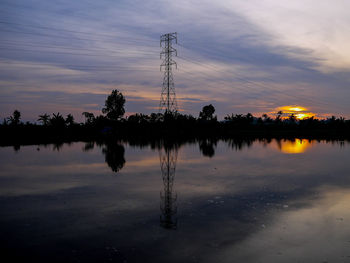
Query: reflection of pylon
point(168, 207)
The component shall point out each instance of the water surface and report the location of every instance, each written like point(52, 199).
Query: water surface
point(205, 201)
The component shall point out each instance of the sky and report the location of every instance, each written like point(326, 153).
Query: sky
point(254, 56)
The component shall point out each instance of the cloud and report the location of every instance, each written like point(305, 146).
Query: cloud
point(233, 53)
point(318, 26)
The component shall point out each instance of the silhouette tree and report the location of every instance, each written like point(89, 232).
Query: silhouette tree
point(139, 118)
point(207, 113)
point(156, 117)
point(279, 116)
point(89, 117)
point(69, 120)
point(266, 118)
point(15, 118)
point(114, 105)
point(57, 120)
point(45, 119)
point(249, 117)
point(292, 118)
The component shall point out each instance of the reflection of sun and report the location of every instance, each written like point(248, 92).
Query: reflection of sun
point(293, 147)
point(299, 112)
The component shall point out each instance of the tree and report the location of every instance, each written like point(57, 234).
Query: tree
point(57, 120)
point(15, 118)
point(89, 117)
point(138, 118)
point(45, 119)
point(292, 118)
point(249, 116)
point(279, 116)
point(207, 113)
point(70, 120)
point(114, 105)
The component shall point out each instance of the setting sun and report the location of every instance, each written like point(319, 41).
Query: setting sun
point(292, 108)
point(299, 112)
point(301, 116)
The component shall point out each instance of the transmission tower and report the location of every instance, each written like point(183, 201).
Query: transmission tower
point(168, 158)
point(168, 103)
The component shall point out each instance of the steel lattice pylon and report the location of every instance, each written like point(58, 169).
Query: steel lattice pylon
point(168, 158)
point(168, 103)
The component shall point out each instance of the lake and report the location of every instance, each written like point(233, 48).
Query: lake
point(200, 201)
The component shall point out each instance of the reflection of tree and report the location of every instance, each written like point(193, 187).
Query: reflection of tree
point(16, 147)
point(239, 143)
point(88, 146)
point(114, 156)
point(168, 158)
point(57, 146)
point(207, 147)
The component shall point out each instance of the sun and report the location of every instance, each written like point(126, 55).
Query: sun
point(297, 108)
point(298, 111)
point(301, 116)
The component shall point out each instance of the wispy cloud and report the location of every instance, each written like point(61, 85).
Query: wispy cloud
point(243, 56)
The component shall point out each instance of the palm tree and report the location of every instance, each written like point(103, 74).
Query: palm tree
point(279, 116)
point(15, 118)
point(292, 118)
point(45, 119)
point(57, 120)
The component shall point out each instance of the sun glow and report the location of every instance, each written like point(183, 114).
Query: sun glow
point(294, 147)
point(301, 116)
point(292, 108)
point(298, 111)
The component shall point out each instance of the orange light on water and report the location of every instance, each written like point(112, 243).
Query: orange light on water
point(294, 147)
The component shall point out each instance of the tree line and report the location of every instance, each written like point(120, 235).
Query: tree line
point(114, 110)
point(112, 120)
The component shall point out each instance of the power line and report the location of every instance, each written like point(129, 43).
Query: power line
point(25, 63)
point(235, 73)
point(70, 53)
point(120, 38)
point(256, 83)
point(78, 49)
point(67, 37)
point(74, 31)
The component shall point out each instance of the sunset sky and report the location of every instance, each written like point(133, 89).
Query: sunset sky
point(253, 56)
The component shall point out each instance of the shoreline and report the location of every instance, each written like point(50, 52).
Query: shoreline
point(37, 135)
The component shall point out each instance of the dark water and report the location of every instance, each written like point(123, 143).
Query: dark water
point(234, 201)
